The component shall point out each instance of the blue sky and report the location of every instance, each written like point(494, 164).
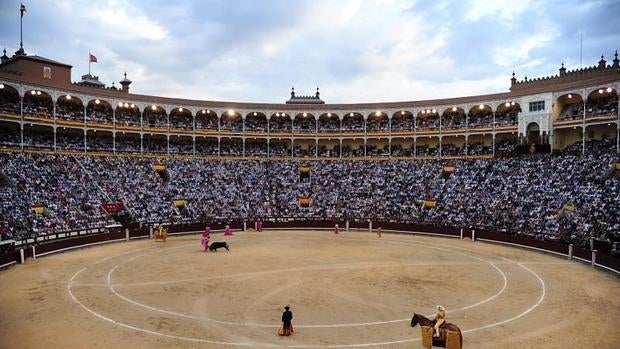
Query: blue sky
point(355, 50)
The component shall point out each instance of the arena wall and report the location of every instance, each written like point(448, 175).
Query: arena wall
point(603, 251)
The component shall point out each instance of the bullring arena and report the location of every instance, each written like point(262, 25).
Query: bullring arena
point(348, 290)
point(372, 221)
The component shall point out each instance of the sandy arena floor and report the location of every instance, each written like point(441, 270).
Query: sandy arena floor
point(347, 290)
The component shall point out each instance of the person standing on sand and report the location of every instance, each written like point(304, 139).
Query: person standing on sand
point(287, 322)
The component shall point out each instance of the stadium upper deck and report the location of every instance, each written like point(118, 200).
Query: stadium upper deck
point(41, 108)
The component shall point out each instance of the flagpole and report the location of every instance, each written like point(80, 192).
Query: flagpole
point(21, 29)
point(21, 36)
point(88, 62)
point(580, 47)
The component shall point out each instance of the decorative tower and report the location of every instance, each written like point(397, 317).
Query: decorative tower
point(317, 94)
point(513, 80)
point(601, 63)
point(616, 61)
point(5, 58)
point(562, 70)
point(125, 83)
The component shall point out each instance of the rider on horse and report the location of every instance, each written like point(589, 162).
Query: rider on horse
point(440, 318)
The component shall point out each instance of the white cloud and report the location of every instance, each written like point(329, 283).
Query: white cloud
point(357, 50)
point(124, 22)
point(505, 11)
point(518, 51)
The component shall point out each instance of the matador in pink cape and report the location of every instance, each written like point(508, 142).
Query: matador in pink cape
point(204, 240)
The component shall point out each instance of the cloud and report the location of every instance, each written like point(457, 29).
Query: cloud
point(356, 50)
point(122, 21)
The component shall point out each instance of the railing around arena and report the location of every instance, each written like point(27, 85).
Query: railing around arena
point(600, 253)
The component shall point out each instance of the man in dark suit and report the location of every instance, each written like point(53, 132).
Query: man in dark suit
point(287, 324)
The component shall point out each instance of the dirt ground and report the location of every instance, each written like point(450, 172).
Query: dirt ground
point(347, 290)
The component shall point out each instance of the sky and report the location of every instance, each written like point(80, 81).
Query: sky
point(354, 50)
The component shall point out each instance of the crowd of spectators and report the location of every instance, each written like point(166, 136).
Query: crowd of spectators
point(428, 122)
point(574, 111)
point(506, 117)
point(69, 111)
point(379, 123)
point(99, 115)
point(329, 124)
point(480, 118)
point(280, 124)
point(206, 121)
point(403, 123)
point(182, 121)
point(353, 123)
point(523, 195)
point(604, 145)
point(256, 123)
point(181, 145)
point(305, 124)
point(231, 123)
point(127, 117)
point(453, 120)
point(155, 119)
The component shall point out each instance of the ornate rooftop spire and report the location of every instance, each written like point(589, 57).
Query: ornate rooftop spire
point(125, 83)
point(601, 63)
point(4, 57)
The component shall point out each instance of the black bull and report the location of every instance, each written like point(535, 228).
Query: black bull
point(218, 244)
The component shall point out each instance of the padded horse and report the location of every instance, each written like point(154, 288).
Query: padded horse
point(160, 234)
point(450, 336)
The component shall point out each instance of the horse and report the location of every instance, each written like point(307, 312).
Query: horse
point(442, 340)
point(160, 234)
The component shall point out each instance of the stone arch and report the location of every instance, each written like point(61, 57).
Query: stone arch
point(602, 102)
point(127, 114)
point(231, 121)
point(206, 119)
point(402, 121)
point(453, 118)
point(181, 119)
point(280, 122)
point(155, 116)
point(480, 115)
point(377, 121)
point(427, 119)
point(304, 123)
point(507, 113)
point(38, 104)
point(9, 99)
point(256, 122)
point(568, 106)
point(533, 133)
point(329, 122)
point(353, 122)
point(99, 111)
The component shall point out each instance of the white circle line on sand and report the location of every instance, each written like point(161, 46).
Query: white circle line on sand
point(541, 298)
point(269, 272)
point(121, 324)
point(502, 274)
point(499, 323)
